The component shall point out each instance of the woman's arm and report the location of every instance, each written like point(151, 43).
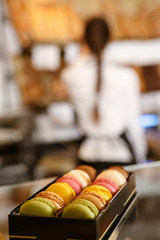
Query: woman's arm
point(136, 52)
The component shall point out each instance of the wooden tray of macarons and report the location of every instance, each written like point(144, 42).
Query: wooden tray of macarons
point(83, 203)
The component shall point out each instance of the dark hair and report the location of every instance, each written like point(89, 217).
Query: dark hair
point(97, 35)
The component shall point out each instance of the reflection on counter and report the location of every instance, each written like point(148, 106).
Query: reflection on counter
point(12, 195)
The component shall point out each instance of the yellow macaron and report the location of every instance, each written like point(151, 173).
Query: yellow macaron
point(63, 190)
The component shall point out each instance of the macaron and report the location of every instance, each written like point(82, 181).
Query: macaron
point(95, 198)
point(85, 175)
point(80, 175)
point(92, 172)
point(80, 208)
point(73, 182)
point(114, 175)
point(63, 190)
point(38, 207)
point(53, 197)
point(121, 170)
point(102, 191)
point(108, 184)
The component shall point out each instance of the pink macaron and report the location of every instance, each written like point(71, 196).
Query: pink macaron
point(73, 182)
point(108, 184)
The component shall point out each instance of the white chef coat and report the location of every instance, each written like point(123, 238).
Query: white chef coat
point(118, 104)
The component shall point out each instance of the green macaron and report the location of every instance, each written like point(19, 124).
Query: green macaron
point(38, 207)
point(80, 208)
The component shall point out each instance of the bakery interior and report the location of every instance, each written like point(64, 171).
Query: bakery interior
point(39, 136)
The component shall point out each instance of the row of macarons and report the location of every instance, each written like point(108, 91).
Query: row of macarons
point(95, 198)
point(80, 193)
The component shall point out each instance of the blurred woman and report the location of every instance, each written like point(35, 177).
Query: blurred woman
point(106, 98)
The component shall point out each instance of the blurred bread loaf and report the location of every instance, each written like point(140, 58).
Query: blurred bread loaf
point(37, 88)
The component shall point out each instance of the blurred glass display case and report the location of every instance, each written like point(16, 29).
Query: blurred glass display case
point(28, 129)
point(17, 156)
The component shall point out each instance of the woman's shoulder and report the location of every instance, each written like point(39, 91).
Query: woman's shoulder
point(122, 76)
point(122, 69)
point(80, 64)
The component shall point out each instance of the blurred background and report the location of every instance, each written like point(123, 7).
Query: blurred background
point(39, 135)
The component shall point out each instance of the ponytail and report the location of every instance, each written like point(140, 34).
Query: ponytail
point(96, 35)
